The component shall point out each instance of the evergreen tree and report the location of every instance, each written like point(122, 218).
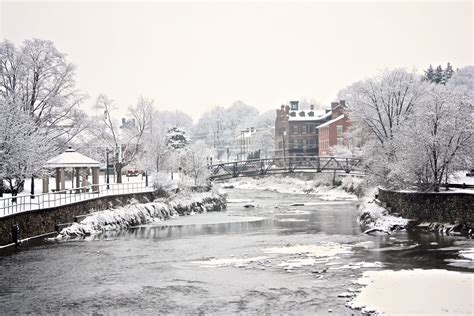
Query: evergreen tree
point(439, 74)
point(429, 74)
point(448, 72)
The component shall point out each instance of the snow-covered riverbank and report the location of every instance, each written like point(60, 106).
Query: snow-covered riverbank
point(136, 214)
point(296, 185)
point(415, 292)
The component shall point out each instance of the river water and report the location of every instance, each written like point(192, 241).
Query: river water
point(274, 258)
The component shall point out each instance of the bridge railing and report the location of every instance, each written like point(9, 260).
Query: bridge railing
point(291, 164)
point(21, 203)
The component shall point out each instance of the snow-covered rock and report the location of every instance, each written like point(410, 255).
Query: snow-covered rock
point(138, 214)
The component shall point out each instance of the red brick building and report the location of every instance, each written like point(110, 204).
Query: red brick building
point(296, 132)
point(333, 132)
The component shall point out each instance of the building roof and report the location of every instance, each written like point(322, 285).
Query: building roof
point(308, 115)
point(71, 159)
point(331, 121)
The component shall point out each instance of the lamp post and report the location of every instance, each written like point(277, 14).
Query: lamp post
point(284, 147)
point(107, 169)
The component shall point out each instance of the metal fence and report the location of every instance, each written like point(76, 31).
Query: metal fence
point(21, 203)
point(256, 167)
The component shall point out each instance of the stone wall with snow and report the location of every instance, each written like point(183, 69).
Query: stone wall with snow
point(444, 207)
point(37, 222)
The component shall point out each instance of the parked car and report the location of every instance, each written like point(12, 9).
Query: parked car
point(132, 172)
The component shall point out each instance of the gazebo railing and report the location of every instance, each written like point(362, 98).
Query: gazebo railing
point(20, 203)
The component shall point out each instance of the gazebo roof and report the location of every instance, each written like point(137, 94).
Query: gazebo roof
point(71, 159)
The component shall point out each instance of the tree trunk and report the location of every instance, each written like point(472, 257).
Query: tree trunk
point(118, 171)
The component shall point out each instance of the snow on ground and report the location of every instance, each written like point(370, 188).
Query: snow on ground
point(415, 292)
point(460, 178)
point(293, 185)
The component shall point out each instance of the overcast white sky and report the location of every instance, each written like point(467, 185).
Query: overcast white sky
point(195, 55)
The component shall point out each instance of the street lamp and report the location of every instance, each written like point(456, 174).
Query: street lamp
point(107, 169)
point(284, 147)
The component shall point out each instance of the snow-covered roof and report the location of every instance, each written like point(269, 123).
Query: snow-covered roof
point(308, 115)
point(331, 121)
point(69, 159)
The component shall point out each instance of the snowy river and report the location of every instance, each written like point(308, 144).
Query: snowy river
point(279, 257)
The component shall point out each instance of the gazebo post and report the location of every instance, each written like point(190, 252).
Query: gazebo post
point(84, 180)
point(95, 179)
point(63, 179)
point(58, 180)
point(45, 183)
point(78, 179)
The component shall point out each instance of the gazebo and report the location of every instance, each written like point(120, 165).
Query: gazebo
point(78, 163)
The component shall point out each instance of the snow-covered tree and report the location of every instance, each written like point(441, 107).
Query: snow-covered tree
point(264, 142)
point(220, 127)
point(127, 141)
point(429, 74)
point(176, 138)
point(440, 138)
point(24, 147)
point(448, 72)
point(381, 106)
point(417, 133)
point(194, 163)
point(439, 75)
point(42, 83)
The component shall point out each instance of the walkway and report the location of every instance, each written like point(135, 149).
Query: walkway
point(22, 203)
point(258, 167)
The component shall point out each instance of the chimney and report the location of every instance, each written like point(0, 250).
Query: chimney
point(123, 120)
point(334, 105)
point(342, 103)
point(311, 107)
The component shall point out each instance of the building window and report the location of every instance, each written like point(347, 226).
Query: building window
point(312, 143)
point(280, 145)
point(300, 144)
point(339, 131)
point(340, 140)
point(312, 129)
point(294, 144)
point(305, 143)
point(303, 129)
point(294, 129)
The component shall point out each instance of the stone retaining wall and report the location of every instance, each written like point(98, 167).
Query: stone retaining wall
point(433, 207)
point(38, 222)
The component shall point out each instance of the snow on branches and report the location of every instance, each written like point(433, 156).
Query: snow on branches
point(176, 138)
point(415, 132)
point(24, 147)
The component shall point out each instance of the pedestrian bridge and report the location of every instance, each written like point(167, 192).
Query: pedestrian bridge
point(281, 165)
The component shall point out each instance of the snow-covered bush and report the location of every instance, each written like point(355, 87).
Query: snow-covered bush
point(163, 184)
point(354, 185)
